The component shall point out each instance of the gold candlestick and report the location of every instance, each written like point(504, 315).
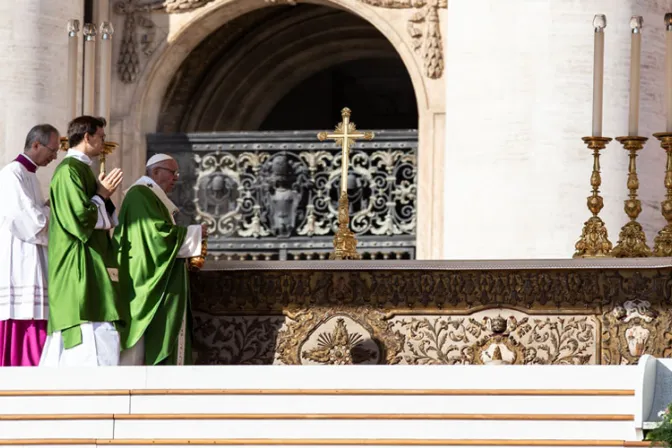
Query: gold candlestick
point(345, 135)
point(64, 144)
point(662, 244)
point(594, 241)
point(108, 149)
point(632, 240)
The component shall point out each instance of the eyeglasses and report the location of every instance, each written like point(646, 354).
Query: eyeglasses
point(53, 150)
point(175, 173)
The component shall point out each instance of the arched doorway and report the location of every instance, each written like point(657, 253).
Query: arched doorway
point(144, 112)
point(246, 105)
point(290, 68)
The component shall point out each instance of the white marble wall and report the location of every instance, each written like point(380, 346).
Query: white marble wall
point(33, 45)
point(519, 95)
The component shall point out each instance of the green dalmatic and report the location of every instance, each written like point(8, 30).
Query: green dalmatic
point(80, 288)
point(152, 279)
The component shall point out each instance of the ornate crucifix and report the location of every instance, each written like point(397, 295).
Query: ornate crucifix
point(345, 135)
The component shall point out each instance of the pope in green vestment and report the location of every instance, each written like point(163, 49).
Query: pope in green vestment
point(83, 297)
point(153, 273)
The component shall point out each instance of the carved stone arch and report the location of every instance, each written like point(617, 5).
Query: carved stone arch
point(234, 82)
point(140, 106)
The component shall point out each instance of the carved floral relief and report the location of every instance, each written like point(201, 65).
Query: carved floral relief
point(498, 337)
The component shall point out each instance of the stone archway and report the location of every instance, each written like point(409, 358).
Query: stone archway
point(304, 56)
point(141, 108)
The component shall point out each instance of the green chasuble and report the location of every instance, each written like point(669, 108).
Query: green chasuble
point(153, 279)
point(80, 288)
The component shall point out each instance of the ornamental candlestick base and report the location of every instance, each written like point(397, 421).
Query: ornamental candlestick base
point(632, 240)
point(345, 243)
point(594, 241)
point(662, 244)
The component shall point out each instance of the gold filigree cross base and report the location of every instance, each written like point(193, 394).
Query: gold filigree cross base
point(345, 243)
point(594, 241)
point(631, 242)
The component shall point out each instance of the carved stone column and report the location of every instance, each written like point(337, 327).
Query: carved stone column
point(33, 75)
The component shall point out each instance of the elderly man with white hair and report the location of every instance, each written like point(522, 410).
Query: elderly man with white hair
point(153, 269)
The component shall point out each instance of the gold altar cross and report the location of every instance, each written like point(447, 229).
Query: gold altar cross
point(345, 135)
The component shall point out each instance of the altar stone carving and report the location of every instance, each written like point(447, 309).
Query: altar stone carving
point(494, 313)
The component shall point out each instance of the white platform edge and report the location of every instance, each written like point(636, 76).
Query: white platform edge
point(644, 390)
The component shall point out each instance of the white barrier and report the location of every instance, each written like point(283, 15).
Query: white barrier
point(325, 405)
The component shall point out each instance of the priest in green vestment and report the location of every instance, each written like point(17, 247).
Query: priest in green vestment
point(85, 312)
point(153, 253)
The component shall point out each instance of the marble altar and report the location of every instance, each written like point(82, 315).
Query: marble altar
point(580, 311)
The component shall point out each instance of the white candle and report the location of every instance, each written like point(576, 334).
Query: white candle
point(668, 71)
point(73, 30)
point(106, 31)
point(599, 24)
point(89, 68)
point(636, 23)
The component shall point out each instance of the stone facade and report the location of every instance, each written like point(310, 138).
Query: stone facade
point(171, 37)
point(519, 89)
point(503, 92)
point(33, 74)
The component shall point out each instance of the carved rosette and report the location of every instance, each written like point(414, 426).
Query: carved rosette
point(368, 339)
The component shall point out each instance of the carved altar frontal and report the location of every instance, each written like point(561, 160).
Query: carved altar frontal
point(433, 312)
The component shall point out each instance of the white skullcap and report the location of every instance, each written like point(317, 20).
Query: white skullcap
point(156, 158)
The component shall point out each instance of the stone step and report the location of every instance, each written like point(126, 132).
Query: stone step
point(375, 426)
